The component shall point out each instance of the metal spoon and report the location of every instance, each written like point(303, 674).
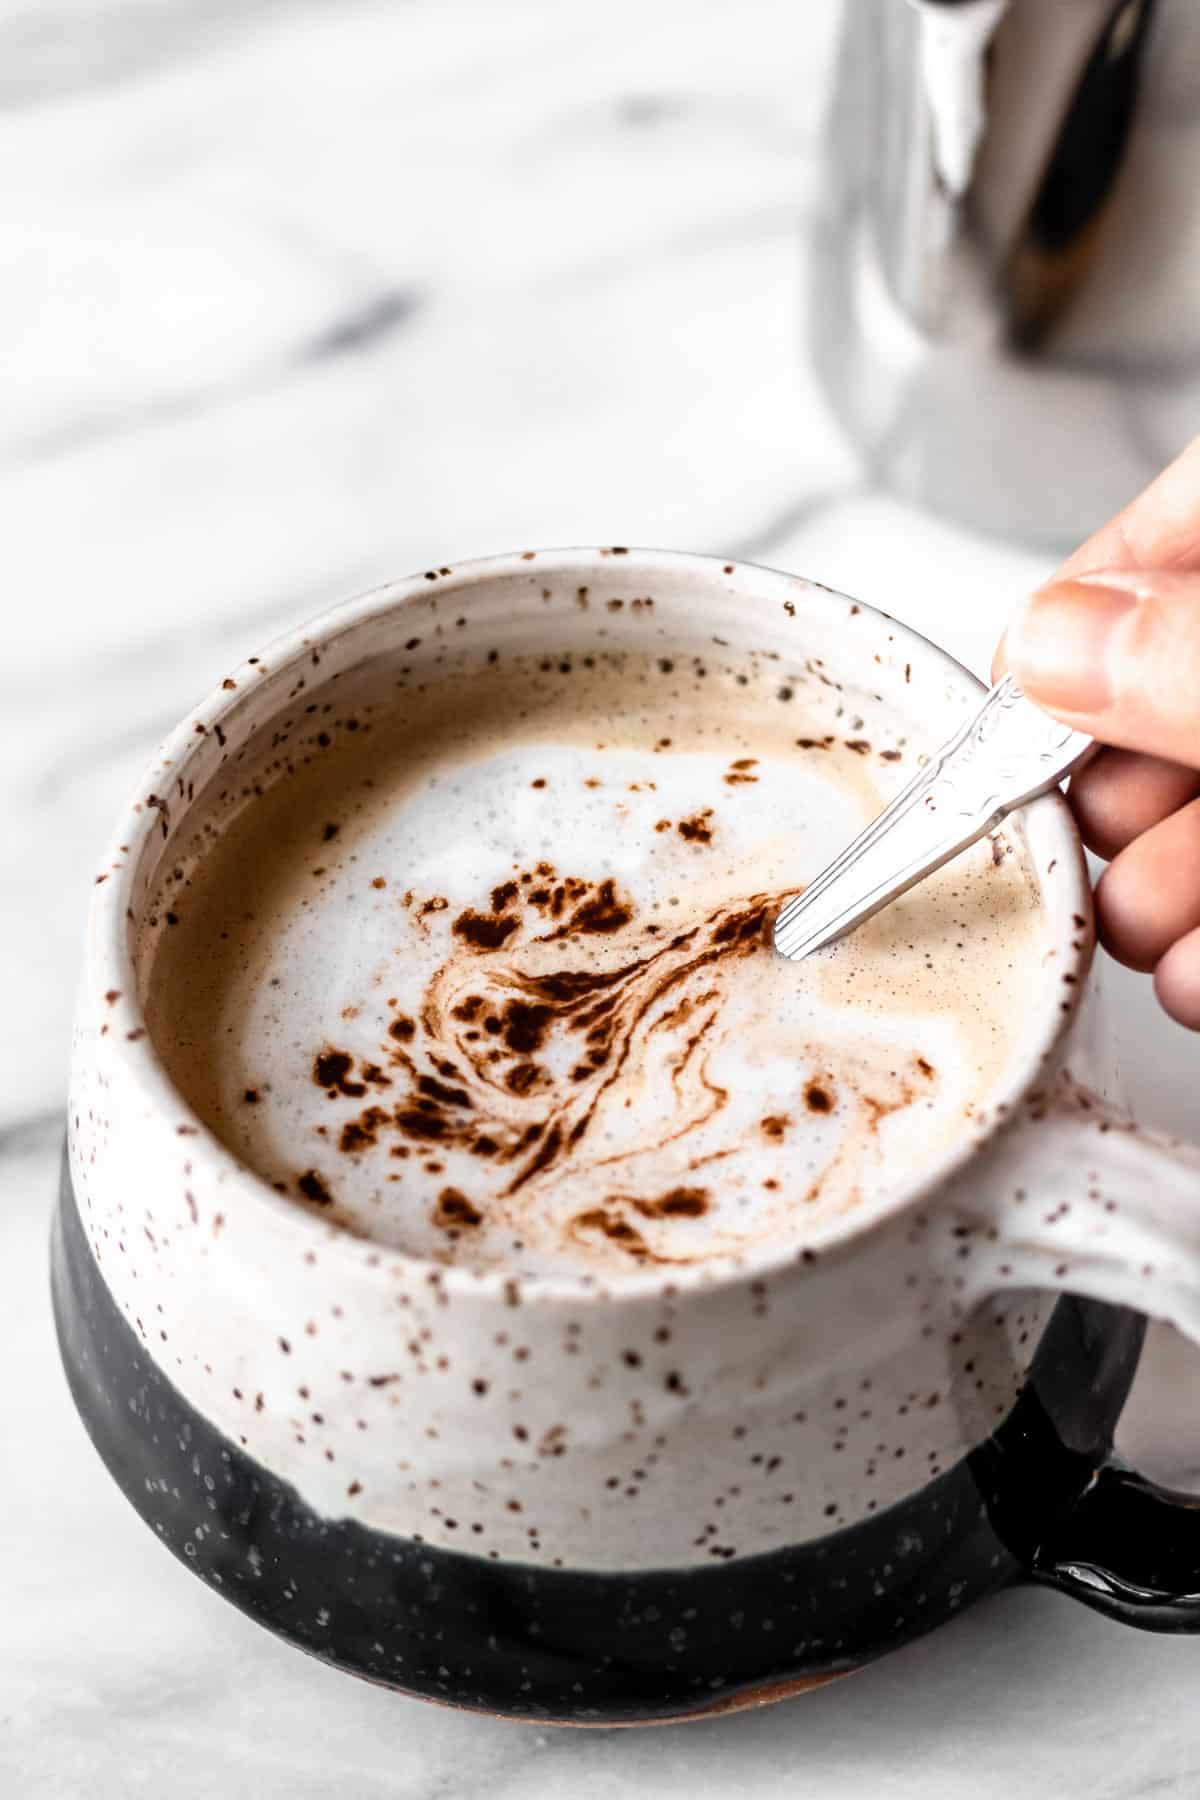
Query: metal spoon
point(1007, 755)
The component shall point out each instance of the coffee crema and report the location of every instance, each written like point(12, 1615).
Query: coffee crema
point(479, 967)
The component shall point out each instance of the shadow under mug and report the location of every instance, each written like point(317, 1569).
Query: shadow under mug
point(726, 1486)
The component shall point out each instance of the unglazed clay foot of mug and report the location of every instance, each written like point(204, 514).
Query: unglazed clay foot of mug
point(487, 1264)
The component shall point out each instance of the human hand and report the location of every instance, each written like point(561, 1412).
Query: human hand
point(1112, 646)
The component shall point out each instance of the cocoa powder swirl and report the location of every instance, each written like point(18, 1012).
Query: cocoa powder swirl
point(530, 1031)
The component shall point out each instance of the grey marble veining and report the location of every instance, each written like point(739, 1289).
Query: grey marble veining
point(298, 297)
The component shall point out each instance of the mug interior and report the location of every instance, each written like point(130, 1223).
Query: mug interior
point(568, 602)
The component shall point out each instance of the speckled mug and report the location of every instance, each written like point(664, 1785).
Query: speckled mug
point(727, 1486)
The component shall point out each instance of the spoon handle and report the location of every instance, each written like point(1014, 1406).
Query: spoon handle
point(1004, 757)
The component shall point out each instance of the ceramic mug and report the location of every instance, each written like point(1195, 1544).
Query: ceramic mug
point(729, 1485)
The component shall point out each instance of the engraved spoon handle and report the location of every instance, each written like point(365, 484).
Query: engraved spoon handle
point(1008, 754)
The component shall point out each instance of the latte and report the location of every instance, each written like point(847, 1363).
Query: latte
point(476, 962)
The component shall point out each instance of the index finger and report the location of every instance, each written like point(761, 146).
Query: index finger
point(1158, 530)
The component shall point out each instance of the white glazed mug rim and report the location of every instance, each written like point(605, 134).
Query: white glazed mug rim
point(111, 961)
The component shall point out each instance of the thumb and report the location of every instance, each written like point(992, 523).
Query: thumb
point(1116, 653)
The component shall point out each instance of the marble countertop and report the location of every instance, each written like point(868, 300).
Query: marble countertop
point(298, 296)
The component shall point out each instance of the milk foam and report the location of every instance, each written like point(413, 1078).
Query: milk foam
point(480, 967)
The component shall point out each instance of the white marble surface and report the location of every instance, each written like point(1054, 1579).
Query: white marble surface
point(297, 296)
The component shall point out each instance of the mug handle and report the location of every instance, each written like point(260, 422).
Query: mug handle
point(1072, 1195)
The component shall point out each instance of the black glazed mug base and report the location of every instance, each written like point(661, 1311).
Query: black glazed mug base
point(571, 1646)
